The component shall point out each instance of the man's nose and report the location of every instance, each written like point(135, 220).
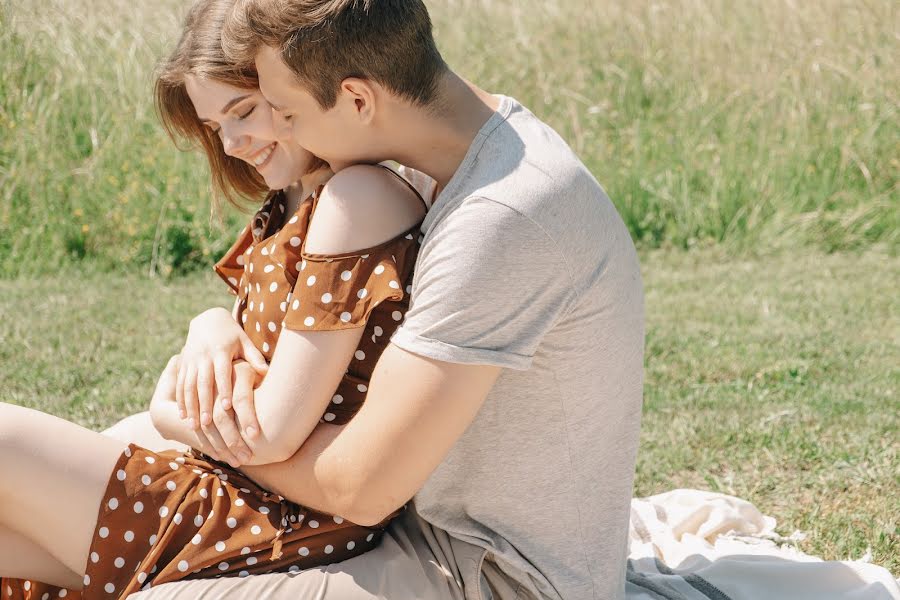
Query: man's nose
point(282, 125)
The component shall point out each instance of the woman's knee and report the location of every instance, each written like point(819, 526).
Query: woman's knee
point(11, 426)
point(138, 429)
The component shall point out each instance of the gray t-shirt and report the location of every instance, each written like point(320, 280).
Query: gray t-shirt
point(525, 264)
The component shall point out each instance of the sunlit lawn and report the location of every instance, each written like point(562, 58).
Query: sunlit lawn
point(774, 379)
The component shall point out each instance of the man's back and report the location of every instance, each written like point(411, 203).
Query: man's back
point(525, 264)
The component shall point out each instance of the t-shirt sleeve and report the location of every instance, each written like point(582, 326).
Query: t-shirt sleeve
point(489, 283)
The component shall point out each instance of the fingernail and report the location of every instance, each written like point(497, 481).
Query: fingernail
point(182, 414)
point(204, 418)
point(245, 458)
point(226, 403)
point(252, 431)
point(192, 423)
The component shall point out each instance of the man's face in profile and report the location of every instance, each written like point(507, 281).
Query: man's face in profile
point(329, 134)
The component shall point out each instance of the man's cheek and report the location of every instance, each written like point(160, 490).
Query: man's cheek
point(297, 133)
point(308, 137)
point(300, 130)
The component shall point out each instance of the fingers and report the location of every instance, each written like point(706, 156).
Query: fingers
point(190, 397)
point(165, 386)
point(222, 366)
point(253, 356)
point(219, 446)
point(205, 446)
point(179, 388)
point(205, 392)
point(227, 426)
point(243, 400)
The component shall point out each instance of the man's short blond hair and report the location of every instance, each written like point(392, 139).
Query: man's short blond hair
point(326, 41)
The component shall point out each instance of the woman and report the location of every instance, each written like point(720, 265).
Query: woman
point(317, 301)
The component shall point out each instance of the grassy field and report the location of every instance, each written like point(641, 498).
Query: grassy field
point(773, 379)
point(752, 148)
point(744, 125)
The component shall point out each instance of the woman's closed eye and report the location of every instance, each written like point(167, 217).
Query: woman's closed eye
point(215, 128)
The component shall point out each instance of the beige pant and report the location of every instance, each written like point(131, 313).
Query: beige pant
point(406, 566)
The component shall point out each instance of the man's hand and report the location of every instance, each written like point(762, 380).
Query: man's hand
point(204, 379)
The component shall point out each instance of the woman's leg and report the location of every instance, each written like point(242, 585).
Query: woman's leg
point(20, 558)
point(138, 429)
point(54, 475)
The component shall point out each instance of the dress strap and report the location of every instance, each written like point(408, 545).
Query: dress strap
point(318, 192)
point(408, 184)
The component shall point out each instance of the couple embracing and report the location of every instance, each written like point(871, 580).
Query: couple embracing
point(430, 383)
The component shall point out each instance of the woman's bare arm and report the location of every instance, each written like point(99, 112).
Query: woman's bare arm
point(360, 207)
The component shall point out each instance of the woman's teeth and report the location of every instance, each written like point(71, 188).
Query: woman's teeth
point(264, 155)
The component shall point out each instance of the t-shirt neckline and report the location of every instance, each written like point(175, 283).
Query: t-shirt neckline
point(500, 115)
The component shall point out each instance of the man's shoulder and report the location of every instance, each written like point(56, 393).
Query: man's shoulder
point(527, 168)
point(524, 162)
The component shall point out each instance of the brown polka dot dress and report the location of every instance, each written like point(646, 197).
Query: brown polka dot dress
point(170, 516)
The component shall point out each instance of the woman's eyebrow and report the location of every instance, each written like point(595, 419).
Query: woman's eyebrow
point(228, 106)
point(233, 101)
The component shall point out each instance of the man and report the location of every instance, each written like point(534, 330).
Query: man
point(508, 404)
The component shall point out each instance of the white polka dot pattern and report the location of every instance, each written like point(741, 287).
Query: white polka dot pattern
point(278, 286)
point(333, 292)
point(247, 532)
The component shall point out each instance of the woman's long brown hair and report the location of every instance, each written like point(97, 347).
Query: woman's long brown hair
point(199, 53)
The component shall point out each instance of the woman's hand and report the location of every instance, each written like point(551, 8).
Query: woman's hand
point(217, 439)
point(229, 430)
point(163, 412)
point(214, 342)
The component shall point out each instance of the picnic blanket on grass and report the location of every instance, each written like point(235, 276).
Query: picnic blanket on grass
point(696, 545)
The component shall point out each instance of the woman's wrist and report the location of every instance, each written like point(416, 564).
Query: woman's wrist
point(214, 313)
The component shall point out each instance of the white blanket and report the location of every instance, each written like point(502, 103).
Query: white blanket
point(694, 545)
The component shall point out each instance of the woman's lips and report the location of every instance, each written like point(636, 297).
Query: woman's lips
point(263, 157)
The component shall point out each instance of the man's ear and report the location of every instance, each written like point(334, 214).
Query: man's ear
point(362, 94)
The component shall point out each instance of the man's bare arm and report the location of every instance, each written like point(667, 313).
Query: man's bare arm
point(415, 411)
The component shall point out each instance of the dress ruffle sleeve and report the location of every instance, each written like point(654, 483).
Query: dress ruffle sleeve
point(231, 266)
point(334, 292)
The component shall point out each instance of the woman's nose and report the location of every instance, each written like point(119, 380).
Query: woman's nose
point(233, 143)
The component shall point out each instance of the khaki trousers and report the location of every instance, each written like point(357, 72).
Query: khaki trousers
point(408, 565)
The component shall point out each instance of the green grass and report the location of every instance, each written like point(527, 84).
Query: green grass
point(773, 379)
point(743, 125)
point(763, 136)
point(776, 379)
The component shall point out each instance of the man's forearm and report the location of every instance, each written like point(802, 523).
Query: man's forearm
point(300, 478)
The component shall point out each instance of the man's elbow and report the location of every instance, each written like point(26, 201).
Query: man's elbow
point(364, 502)
point(369, 514)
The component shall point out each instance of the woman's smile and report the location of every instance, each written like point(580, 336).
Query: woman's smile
point(262, 158)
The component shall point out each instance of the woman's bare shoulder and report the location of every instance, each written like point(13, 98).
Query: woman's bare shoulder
point(360, 207)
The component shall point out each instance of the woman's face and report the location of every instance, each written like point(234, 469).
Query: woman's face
point(244, 122)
